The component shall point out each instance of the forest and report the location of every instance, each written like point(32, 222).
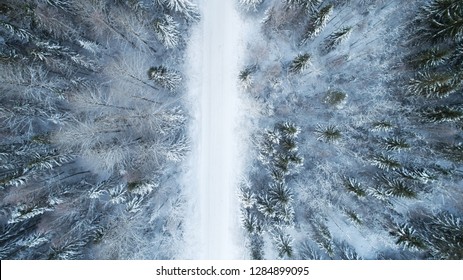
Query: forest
point(357, 153)
point(354, 110)
point(92, 127)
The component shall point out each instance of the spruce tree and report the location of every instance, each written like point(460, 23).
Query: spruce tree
point(353, 186)
point(166, 78)
point(317, 23)
point(385, 162)
point(330, 133)
point(300, 63)
point(284, 245)
point(434, 84)
point(336, 38)
point(407, 236)
point(395, 143)
point(167, 32)
point(443, 114)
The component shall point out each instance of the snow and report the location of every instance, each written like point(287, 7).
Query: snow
point(212, 222)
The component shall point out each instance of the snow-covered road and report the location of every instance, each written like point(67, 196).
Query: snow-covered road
point(212, 232)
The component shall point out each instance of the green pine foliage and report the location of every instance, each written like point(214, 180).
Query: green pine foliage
point(257, 247)
point(336, 38)
point(385, 162)
point(382, 126)
point(167, 31)
point(346, 252)
point(443, 236)
point(280, 193)
point(394, 187)
point(407, 237)
point(442, 20)
point(395, 143)
point(418, 174)
point(441, 114)
point(434, 85)
point(246, 77)
point(284, 245)
point(317, 23)
point(353, 216)
point(430, 58)
point(300, 63)
point(164, 77)
point(451, 152)
point(353, 186)
point(329, 134)
point(322, 236)
point(335, 98)
point(307, 252)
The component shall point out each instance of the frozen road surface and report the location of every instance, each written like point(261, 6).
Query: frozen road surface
point(213, 57)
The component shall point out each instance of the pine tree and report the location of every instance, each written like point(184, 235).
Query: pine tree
point(24, 212)
point(289, 145)
point(422, 175)
point(68, 250)
point(300, 63)
point(117, 194)
point(280, 194)
point(335, 98)
point(397, 188)
point(385, 162)
point(185, 7)
point(257, 247)
point(266, 206)
point(142, 188)
point(306, 252)
point(395, 144)
point(433, 84)
point(251, 223)
point(273, 136)
point(246, 78)
point(134, 203)
point(452, 152)
point(443, 114)
point(322, 236)
point(330, 134)
point(444, 19)
point(346, 252)
point(247, 198)
point(353, 186)
point(166, 78)
point(406, 236)
point(250, 4)
point(336, 38)
point(382, 126)
point(34, 240)
point(166, 30)
point(443, 236)
point(285, 215)
point(317, 23)
point(307, 5)
point(430, 58)
point(284, 243)
point(353, 216)
point(289, 130)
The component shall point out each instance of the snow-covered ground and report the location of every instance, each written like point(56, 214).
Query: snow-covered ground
point(212, 224)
